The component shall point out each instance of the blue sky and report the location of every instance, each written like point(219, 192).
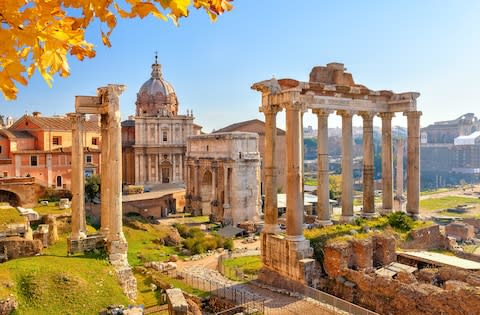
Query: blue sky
point(431, 47)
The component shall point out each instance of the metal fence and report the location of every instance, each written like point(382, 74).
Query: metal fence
point(236, 273)
point(334, 301)
point(245, 301)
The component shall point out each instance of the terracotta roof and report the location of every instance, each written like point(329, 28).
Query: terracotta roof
point(55, 123)
point(14, 134)
point(236, 126)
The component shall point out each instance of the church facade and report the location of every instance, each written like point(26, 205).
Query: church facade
point(155, 140)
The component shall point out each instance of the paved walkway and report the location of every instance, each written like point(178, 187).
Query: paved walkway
point(275, 303)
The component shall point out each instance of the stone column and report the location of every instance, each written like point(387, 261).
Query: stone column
point(114, 171)
point(226, 189)
point(368, 168)
point(399, 177)
point(196, 178)
point(104, 175)
point(181, 169)
point(77, 183)
point(413, 164)
point(323, 192)
point(270, 170)
point(347, 166)
point(137, 168)
point(214, 181)
point(149, 168)
point(387, 162)
point(294, 147)
point(156, 168)
point(174, 168)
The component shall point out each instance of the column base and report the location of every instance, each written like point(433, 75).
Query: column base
point(386, 211)
point(271, 229)
point(324, 222)
point(295, 238)
point(78, 236)
point(347, 218)
point(369, 215)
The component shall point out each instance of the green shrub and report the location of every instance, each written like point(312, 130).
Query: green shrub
point(400, 221)
point(228, 244)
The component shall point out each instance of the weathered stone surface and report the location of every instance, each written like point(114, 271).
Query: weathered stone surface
point(173, 238)
point(336, 258)
point(8, 305)
point(52, 228)
point(455, 285)
point(405, 277)
point(218, 304)
point(460, 231)
point(391, 296)
point(127, 281)
point(427, 275)
point(177, 304)
point(16, 247)
point(474, 222)
point(384, 249)
point(362, 253)
point(426, 238)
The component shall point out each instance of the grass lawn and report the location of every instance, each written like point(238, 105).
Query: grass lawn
point(434, 204)
point(248, 264)
point(434, 191)
point(52, 208)
point(61, 285)
point(10, 215)
point(143, 246)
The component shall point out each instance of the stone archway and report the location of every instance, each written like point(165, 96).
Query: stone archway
point(206, 192)
point(10, 197)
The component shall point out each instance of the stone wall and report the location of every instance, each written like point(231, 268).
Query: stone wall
point(391, 296)
point(286, 260)
point(426, 238)
point(460, 231)
point(17, 247)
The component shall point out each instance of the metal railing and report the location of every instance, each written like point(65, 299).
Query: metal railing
point(245, 301)
point(336, 302)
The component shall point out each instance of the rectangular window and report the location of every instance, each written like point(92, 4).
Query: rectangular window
point(57, 140)
point(164, 136)
point(95, 141)
point(0, 149)
point(33, 160)
point(88, 158)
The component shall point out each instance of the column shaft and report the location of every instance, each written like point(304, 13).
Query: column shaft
point(413, 166)
point(323, 191)
point(368, 168)
point(294, 147)
point(77, 182)
point(214, 182)
point(270, 171)
point(347, 165)
point(387, 161)
point(105, 190)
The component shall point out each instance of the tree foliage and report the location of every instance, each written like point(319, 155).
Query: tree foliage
point(39, 34)
point(92, 187)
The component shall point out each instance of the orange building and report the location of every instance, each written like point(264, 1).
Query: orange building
point(40, 147)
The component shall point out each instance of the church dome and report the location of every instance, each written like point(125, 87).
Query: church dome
point(156, 97)
point(156, 84)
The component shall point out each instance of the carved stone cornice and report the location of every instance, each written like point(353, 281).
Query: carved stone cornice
point(270, 110)
point(77, 119)
point(297, 106)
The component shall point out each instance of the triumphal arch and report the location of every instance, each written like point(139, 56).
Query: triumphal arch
point(330, 90)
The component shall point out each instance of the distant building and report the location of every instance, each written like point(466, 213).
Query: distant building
point(40, 147)
point(258, 127)
point(154, 142)
point(450, 152)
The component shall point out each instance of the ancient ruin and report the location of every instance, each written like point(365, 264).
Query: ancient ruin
point(223, 174)
point(106, 104)
point(330, 89)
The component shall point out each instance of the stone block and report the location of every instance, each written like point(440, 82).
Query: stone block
point(384, 249)
point(460, 231)
point(362, 253)
point(16, 247)
point(177, 304)
point(336, 258)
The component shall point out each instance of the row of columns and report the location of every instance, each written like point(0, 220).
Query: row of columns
point(294, 165)
point(145, 161)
